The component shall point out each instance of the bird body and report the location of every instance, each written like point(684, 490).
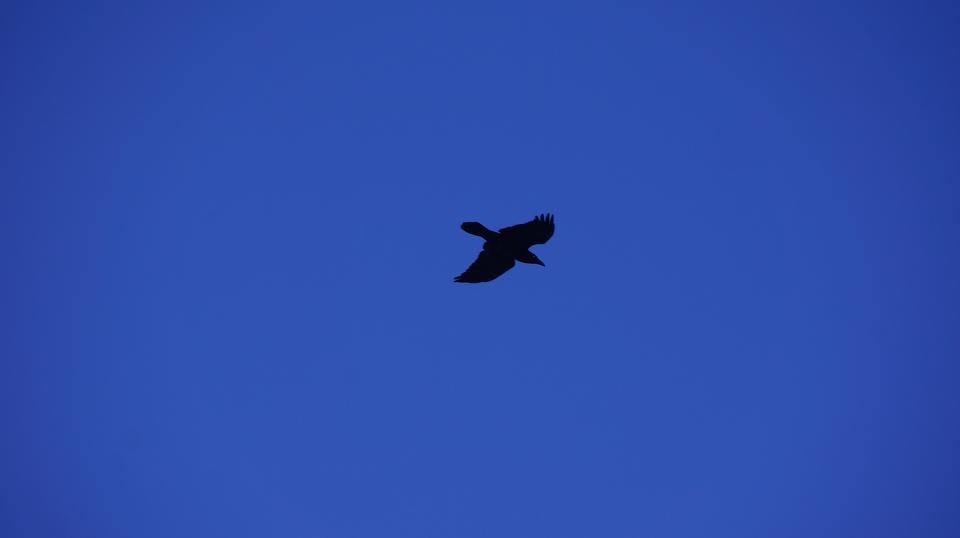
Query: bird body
point(502, 249)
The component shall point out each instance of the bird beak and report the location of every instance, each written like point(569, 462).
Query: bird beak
point(541, 263)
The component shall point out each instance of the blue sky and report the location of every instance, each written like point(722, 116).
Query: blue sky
point(230, 232)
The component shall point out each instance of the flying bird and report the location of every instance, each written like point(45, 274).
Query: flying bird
point(502, 249)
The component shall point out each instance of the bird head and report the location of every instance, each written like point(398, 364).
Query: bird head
point(530, 257)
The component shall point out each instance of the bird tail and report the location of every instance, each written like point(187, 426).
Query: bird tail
point(476, 228)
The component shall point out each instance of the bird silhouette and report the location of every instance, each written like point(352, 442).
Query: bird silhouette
point(501, 250)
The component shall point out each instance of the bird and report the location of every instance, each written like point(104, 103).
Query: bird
point(502, 249)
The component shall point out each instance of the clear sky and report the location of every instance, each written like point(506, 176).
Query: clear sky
point(229, 234)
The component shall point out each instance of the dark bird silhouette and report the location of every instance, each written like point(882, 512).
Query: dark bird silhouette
point(502, 249)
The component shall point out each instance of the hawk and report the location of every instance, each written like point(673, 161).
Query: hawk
point(501, 250)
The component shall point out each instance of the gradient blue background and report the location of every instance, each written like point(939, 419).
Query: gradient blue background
point(229, 234)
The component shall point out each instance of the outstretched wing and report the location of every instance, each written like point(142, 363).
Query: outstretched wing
point(487, 267)
point(535, 232)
